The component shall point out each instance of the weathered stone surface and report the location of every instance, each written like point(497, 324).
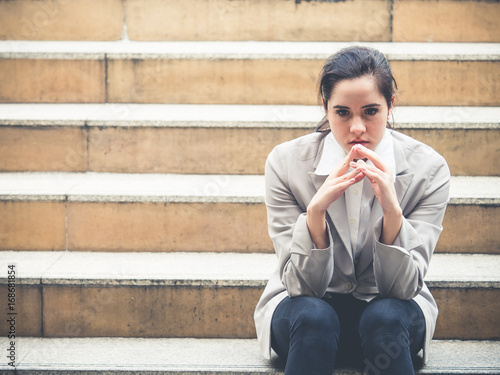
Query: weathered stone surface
point(213, 139)
point(155, 212)
point(167, 227)
point(52, 81)
point(451, 83)
point(27, 309)
point(88, 294)
point(26, 225)
point(475, 309)
point(446, 21)
point(43, 149)
point(234, 72)
point(241, 357)
point(181, 150)
point(364, 20)
point(61, 20)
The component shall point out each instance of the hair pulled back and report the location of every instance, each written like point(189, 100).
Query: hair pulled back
point(354, 62)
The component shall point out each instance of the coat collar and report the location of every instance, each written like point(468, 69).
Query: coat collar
point(333, 154)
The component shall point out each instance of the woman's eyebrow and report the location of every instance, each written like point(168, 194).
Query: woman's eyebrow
point(365, 106)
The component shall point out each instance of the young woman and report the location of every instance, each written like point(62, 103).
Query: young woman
point(354, 212)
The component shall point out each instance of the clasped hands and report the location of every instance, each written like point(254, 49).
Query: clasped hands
point(340, 179)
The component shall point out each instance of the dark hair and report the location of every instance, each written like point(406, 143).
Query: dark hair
point(354, 62)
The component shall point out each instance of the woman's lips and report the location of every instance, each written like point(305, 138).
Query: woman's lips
point(364, 143)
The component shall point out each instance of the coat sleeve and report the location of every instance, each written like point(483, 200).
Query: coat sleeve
point(400, 268)
point(304, 270)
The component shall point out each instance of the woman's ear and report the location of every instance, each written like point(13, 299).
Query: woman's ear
point(389, 114)
point(391, 108)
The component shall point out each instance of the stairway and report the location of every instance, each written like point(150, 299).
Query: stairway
point(133, 135)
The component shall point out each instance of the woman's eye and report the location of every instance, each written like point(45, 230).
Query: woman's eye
point(371, 111)
point(342, 112)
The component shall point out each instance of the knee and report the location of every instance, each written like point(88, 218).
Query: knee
point(383, 320)
point(317, 317)
point(385, 337)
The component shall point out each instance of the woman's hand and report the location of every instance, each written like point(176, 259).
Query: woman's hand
point(382, 183)
point(334, 186)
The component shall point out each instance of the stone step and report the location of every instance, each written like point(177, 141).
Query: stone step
point(203, 295)
point(170, 212)
point(61, 20)
point(213, 139)
point(374, 20)
point(432, 74)
point(116, 356)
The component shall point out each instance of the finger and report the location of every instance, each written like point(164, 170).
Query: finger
point(352, 178)
point(359, 177)
point(371, 155)
point(345, 163)
point(358, 163)
point(343, 182)
point(342, 186)
point(363, 164)
point(352, 174)
point(342, 168)
point(374, 174)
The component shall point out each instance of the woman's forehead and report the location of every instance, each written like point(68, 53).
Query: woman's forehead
point(357, 90)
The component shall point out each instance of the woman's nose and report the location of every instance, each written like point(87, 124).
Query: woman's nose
point(357, 126)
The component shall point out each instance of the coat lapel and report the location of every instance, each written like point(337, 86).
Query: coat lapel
point(338, 214)
point(403, 178)
point(401, 184)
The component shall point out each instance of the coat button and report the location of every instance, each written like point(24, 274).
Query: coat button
point(348, 286)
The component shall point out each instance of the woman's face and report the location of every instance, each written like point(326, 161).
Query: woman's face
point(357, 113)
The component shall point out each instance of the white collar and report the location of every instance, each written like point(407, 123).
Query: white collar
point(333, 154)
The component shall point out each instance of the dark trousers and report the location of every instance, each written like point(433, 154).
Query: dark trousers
point(315, 335)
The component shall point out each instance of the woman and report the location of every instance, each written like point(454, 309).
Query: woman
point(354, 212)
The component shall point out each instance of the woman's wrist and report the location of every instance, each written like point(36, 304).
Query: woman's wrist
point(316, 224)
point(391, 226)
point(395, 213)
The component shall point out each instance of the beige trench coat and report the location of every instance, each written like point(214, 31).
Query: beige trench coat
point(422, 186)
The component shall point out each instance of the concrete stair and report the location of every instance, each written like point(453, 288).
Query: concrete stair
point(176, 295)
point(133, 135)
point(118, 356)
point(372, 20)
point(467, 74)
point(168, 212)
point(77, 296)
point(213, 139)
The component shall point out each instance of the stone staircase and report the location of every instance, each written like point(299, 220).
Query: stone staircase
point(133, 136)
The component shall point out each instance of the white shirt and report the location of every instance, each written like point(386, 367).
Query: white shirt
point(358, 197)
